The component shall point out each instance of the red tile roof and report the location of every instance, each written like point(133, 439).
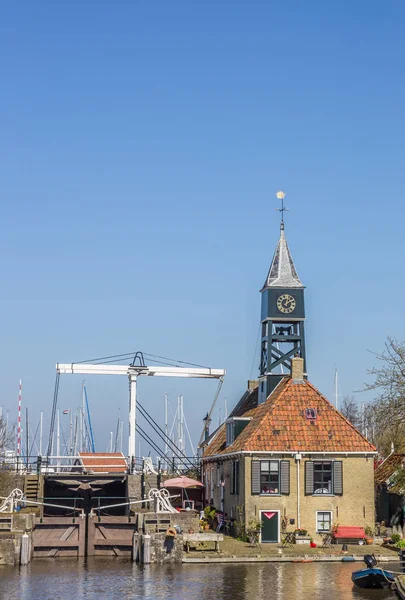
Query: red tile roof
point(280, 424)
point(103, 462)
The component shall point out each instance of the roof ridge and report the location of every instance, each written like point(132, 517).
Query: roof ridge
point(339, 413)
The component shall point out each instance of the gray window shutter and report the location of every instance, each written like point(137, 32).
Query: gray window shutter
point(338, 477)
point(232, 478)
point(309, 478)
point(237, 477)
point(285, 477)
point(256, 489)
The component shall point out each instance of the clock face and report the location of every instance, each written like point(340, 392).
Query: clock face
point(286, 303)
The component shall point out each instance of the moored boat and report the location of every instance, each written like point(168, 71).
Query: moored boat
point(372, 576)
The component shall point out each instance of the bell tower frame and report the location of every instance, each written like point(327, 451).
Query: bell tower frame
point(282, 317)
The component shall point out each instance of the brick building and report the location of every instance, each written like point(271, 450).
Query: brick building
point(285, 455)
point(294, 457)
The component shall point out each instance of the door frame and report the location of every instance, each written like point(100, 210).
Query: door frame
point(279, 527)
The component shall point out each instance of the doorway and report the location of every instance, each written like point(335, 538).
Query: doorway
point(270, 532)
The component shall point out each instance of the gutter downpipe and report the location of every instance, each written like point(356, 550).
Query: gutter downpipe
point(298, 457)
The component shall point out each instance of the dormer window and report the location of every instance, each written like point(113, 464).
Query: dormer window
point(310, 414)
point(235, 426)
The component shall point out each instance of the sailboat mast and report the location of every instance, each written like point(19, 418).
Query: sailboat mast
point(83, 436)
point(19, 420)
point(58, 438)
point(41, 427)
point(336, 388)
point(166, 428)
point(71, 433)
point(27, 451)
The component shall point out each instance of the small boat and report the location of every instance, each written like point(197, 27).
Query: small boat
point(373, 576)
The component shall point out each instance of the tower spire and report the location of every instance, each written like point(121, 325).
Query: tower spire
point(282, 272)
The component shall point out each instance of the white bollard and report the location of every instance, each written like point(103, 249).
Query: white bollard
point(25, 549)
point(146, 548)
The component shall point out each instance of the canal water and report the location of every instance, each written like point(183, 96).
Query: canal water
point(95, 579)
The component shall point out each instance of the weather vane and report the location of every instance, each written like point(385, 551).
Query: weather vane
point(281, 195)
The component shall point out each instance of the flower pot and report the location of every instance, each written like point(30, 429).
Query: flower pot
point(302, 539)
point(369, 541)
point(206, 527)
point(312, 544)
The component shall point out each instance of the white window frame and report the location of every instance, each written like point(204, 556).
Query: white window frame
point(270, 494)
point(332, 483)
point(316, 521)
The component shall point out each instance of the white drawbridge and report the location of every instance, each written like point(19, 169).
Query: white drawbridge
point(133, 371)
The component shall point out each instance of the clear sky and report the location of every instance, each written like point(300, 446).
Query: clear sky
point(142, 143)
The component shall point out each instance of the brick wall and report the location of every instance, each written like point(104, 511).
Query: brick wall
point(354, 507)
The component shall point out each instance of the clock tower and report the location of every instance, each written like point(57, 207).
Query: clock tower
point(282, 317)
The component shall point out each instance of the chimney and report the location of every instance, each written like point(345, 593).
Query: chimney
point(252, 384)
point(297, 369)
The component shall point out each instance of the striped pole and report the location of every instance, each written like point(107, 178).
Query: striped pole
point(19, 420)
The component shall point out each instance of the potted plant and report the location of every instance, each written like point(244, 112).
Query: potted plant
point(209, 515)
point(253, 529)
point(369, 535)
point(312, 544)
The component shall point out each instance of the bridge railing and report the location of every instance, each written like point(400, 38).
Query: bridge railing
point(67, 464)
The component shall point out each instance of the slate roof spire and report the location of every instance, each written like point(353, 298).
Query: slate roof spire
point(282, 272)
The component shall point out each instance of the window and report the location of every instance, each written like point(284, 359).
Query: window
point(269, 477)
point(230, 433)
point(323, 521)
point(310, 413)
point(323, 478)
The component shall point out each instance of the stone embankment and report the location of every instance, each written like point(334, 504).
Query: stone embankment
point(13, 527)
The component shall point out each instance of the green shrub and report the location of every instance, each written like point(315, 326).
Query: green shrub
point(400, 544)
point(395, 538)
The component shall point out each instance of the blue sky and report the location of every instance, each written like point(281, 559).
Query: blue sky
point(141, 147)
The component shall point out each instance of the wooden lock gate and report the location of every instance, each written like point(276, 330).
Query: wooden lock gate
point(83, 536)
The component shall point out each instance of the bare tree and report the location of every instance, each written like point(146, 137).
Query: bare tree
point(350, 410)
point(385, 416)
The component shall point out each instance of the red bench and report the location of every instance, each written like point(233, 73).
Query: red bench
point(348, 534)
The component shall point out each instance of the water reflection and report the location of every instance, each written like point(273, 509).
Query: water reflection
point(101, 578)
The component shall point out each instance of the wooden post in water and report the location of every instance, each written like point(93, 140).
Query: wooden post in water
point(146, 549)
point(135, 547)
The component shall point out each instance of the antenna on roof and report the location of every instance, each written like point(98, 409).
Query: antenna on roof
point(281, 195)
point(336, 388)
